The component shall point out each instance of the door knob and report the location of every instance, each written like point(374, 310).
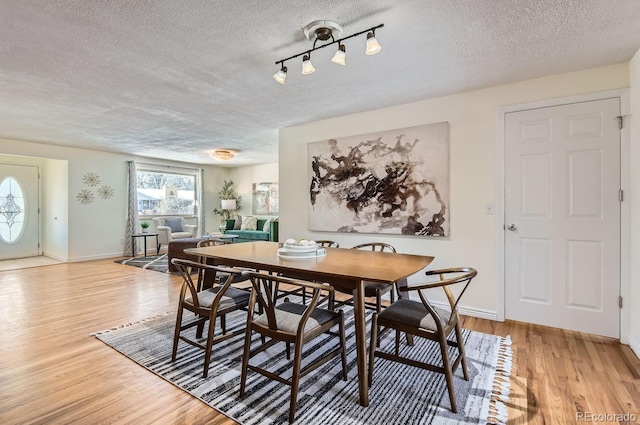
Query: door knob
point(512, 227)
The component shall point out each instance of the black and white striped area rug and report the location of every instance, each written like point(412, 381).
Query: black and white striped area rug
point(157, 263)
point(400, 394)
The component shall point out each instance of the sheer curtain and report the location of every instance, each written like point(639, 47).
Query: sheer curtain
point(200, 195)
point(132, 207)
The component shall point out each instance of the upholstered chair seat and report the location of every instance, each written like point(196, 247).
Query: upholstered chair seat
point(232, 297)
point(288, 316)
point(413, 313)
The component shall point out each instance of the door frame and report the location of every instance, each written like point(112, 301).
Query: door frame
point(625, 206)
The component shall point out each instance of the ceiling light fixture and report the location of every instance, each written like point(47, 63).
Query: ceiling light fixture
point(223, 154)
point(324, 31)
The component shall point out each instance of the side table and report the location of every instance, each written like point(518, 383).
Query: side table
point(221, 236)
point(225, 237)
point(144, 237)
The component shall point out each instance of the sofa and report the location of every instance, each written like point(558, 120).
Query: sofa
point(254, 235)
point(171, 228)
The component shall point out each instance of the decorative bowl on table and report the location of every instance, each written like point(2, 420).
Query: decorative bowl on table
point(300, 245)
point(300, 248)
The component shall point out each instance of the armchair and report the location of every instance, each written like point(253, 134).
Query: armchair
point(170, 228)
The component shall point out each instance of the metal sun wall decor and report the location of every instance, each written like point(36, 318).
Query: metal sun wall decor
point(91, 179)
point(105, 192)
point(85, 197)
point(393, 182)
point(265, 198)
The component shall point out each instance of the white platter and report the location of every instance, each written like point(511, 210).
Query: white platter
point(296, 255)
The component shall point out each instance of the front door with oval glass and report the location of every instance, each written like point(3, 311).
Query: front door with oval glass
point(19, 223)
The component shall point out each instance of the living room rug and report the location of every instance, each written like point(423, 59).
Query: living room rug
point(399, 395)
point(157, 263)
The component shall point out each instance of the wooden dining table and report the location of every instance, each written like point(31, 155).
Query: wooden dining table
point(346, 269)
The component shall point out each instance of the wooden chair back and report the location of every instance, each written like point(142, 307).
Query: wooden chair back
point(376, 246)
point(446, 278)
point(188, 269)
point(328, 244)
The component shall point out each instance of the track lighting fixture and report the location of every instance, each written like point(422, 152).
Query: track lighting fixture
point(324, 31)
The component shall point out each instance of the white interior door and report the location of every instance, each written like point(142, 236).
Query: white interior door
point(562, 216)
point(19, 211)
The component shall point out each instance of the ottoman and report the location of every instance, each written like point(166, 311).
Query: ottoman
point(176, 250)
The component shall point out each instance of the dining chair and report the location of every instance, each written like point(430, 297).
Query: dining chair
point(302, 291)
point(422, 319)
point(371, 289)
point(291, 323)
point(207, 304)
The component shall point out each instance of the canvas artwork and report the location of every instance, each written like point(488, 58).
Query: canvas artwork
point(393, 182)
point(265, 198)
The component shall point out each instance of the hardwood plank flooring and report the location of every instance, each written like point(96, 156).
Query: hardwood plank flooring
point(53, 372)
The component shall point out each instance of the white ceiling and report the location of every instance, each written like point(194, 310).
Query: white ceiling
point(178, 79)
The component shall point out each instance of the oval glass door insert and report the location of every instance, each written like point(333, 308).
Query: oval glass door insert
point(12, 210)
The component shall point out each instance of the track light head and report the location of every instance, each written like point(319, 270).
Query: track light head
point(340, 56)
point(373, 46)
point(307, 66)
point(281, 75)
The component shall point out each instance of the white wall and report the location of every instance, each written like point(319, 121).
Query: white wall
point(97, 230)
point(56, 209)
point(213, 180)
point(634, 303)
point(472, 117)
point(244, 177)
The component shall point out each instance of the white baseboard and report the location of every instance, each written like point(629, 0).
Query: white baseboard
point(56, 257)
point(94, 257)
point(635, 346)
point(469, 311)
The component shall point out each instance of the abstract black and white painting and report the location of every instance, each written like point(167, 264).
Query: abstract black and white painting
point(393, 182)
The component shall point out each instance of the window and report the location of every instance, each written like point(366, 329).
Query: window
point(166, 193)
point(12, 210)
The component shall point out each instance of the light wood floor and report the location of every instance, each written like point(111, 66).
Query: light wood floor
point(24, 263)
point(53, 372)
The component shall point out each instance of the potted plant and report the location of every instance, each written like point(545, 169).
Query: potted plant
point(229, 201)
point(145, 226)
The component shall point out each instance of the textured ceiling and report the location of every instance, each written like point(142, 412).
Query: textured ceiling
point(178, 79)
